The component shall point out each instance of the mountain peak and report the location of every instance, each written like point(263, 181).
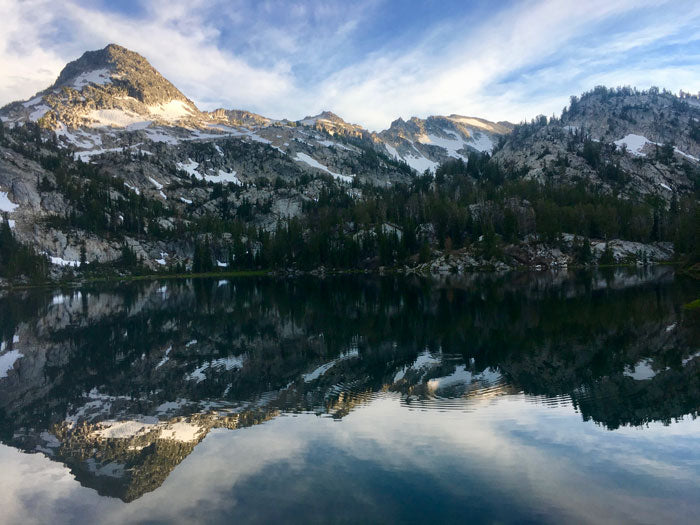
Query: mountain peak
point(324, 115)
point(331, 123)
point(123, 68)
point(109, 87)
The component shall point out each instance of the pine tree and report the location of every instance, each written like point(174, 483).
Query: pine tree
point(607, 258)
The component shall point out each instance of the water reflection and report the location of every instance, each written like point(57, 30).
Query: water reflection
point(120, 384)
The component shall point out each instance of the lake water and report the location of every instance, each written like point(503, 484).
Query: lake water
point(524, 398)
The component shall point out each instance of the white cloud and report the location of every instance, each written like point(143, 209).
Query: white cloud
point(303, 58)
point(25, 64)
point(173, 37)
point(464, 77)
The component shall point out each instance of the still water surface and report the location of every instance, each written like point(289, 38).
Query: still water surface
point(542, 398)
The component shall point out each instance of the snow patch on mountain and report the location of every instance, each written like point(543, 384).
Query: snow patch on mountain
point(420, 163)
point(227, 363)
point(38, 112)
point(133, 188)
point(331, 144)
point(321, 370)
point(450, 143)
point(117, 118)
point(7, 362)
point(225, 177)
point(123, 429)
point(157, 135)
point(32, 102)
point(173, 110)
point(634, 143)
point(59, 261)
point(97, 76)
point(190, 167)
point(222, 177)
point(5, 204)
point(481, 142)
point(306, 159)
point(392, 151)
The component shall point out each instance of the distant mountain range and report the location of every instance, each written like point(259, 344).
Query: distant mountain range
point(117, 89)
point(163, 176)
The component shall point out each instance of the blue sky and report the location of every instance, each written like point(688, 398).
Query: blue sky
point(370, 61)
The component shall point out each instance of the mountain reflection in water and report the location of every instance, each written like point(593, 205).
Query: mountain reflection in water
point(492, 397)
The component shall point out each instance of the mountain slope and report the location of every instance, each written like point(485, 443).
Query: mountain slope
point(636, 143)
point(425, 143)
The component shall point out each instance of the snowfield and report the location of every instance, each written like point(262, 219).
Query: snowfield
point(6, 205)
point(190, 167)
point(123, 429)
point(63, 262)
point(98, 76)
point(159, 136)
point(173, 110)
point(420, 163)
point(32, 102)
point(223, 177)
point(157, 184)
point(481, 142)
point(450, 143)
point(321, 370)
point(306, 159)
point(11, 222)
point(392, 151)
point(39, 112)
point(7, 362)
point(116, 118)
point(634, 143)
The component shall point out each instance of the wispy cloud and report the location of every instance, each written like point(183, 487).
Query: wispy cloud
point(370, 61)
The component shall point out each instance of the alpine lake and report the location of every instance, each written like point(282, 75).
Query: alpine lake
point(543, 397)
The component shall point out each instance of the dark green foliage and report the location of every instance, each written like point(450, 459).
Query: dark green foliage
point(18, 260)
point(462, 203)
point(664, 153)
point(202, 261)
point(128, 259)
point(694, 130)
point(607, 257)
point(582, 250)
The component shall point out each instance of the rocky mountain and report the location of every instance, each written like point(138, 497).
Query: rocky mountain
point(109, 88)
point(113, 161)
point(237, 117)
point(113, 97)
point(332, 124)
point(623, 140)
point(426, 143)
